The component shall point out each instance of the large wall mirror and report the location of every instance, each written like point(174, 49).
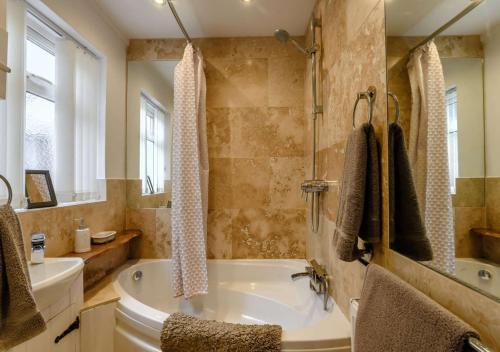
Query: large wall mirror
point(149, 111)
point(443, 64)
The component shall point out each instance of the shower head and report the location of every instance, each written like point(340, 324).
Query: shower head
point(283, 36)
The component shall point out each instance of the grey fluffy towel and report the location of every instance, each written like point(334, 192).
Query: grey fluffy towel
point(393, 316)
point(20, 319)
point(183, 333)
point(407, 229)
point(359, 207)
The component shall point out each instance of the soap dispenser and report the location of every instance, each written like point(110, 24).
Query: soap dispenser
point(82, 237)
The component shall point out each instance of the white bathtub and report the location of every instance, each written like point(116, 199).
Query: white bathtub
point(240, 291)
point(468, 270)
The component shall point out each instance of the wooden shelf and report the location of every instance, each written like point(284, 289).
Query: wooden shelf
point(486, 233)
point(97, 250)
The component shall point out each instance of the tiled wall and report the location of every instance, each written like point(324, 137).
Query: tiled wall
point(353, 37)
point(255, 100)
point(352, 59)
point(59, 226)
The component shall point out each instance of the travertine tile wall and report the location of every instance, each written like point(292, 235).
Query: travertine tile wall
point(255, 100)
point(59, 226)
point(353, 57)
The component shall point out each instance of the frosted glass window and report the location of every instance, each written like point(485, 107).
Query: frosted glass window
point(452, 117)
point(40, 62)
point(39, 134)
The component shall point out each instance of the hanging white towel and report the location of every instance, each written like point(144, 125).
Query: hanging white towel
point(429, 152)
point(189, 178)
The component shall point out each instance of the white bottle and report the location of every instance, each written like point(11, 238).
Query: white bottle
point(82, 238)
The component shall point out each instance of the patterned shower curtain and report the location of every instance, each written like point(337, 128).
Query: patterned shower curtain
point(428, 152)
point(189, 177)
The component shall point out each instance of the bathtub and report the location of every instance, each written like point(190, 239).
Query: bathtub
point(240, 291)
point(468, 270)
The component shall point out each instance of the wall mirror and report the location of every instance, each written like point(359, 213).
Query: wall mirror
point(149, 110)
point(443, 65)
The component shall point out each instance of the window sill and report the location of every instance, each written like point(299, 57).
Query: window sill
point(62, 205)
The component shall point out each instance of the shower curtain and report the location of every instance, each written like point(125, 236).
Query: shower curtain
point(189, 177)
point(428, 152)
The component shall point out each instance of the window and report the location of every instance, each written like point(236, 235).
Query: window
point(53, 115)
point(39, 133)
point(153, 145)
point(452, 117)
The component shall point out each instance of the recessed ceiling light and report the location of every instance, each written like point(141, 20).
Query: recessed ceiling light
point(247, 1)
point(160, 2)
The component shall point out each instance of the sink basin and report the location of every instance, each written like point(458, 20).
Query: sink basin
point(52, 279)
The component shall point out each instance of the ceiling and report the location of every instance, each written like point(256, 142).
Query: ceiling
point(420, 18)
point(208, 18)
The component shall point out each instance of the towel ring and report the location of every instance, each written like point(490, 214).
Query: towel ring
point(396, 105)
point(370, 96)
point(9, 189)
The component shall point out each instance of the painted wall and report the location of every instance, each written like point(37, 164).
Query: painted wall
point(491, 42)
point(353, 57)
point(255, 117)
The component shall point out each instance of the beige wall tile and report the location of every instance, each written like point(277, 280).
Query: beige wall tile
point(286, 82)
point(251, 180)
point(219, 244)
point(220, 190)
point(59, 226)
point(467, 245)
point(260, 233)
point(236, 82)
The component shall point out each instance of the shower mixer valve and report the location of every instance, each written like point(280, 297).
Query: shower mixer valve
point(313, 186)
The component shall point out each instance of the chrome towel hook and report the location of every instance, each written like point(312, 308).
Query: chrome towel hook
point(9, 189)
point(396, 105)
point(370, 96)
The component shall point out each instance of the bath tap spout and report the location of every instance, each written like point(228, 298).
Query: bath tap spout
point(299, 275)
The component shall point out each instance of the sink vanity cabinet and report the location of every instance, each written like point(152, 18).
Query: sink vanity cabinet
point(58, 290)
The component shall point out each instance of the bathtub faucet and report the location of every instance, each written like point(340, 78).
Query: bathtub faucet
point(318, 280)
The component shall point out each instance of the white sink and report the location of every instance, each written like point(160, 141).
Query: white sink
point(52, 279)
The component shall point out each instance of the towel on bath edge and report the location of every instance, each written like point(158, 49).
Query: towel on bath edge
point(20, 319)
point(407, 228)
point(183, 333)
point(394, 316)
point(359, 206)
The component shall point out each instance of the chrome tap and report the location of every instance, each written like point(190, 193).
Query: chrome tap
point(318, 280)
point(37, 248)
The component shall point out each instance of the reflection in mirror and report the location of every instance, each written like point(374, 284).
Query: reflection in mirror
point(149, 110)
point(39, 189)
point(444, 165)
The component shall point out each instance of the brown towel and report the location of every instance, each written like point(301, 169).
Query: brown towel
point(20, 319)
point(183, 333)
point(371, 229)
point(394, 316)
point(407, 229)
point(359, 207)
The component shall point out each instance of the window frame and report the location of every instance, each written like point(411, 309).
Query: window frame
point(452, 132)
point(147, 102)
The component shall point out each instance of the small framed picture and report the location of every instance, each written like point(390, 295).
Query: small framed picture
point(39, 189)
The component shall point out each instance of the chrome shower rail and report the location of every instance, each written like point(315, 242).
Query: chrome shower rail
point(179, 22)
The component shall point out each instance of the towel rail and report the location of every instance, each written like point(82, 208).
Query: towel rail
point(9, 189)
point(370, 96)
point(473, 342)
point(396, 106)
